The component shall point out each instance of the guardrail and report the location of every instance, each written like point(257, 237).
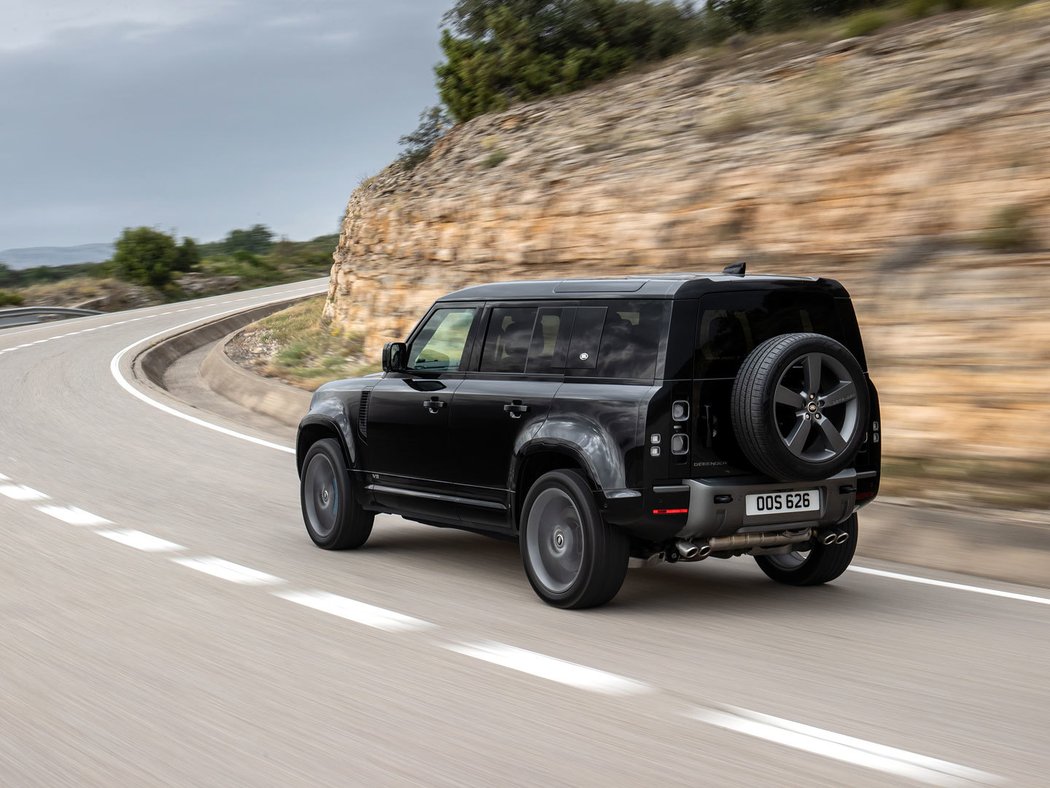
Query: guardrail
point(28, 315)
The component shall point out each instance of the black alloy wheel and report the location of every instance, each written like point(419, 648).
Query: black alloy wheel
point(800, 407)
point(572, 558)
point(820, 564)
point(333, 518)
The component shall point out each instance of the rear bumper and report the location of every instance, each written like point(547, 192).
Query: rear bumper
point(717, 506)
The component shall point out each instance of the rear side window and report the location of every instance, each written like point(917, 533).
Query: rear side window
point(733, 324)
point(508, 339)
point(631, 339)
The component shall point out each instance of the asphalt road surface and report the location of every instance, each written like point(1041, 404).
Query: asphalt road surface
point(166, 621)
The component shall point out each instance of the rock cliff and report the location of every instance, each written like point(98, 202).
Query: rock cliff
point(913, 165)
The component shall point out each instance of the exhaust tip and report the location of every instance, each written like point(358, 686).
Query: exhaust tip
point(829, 538)
point(705, 550)
point(842, 537)
point(687, 550)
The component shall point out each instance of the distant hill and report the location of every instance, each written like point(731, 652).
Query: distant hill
point(33, 256)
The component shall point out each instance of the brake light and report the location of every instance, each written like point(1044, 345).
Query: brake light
point(670, 511)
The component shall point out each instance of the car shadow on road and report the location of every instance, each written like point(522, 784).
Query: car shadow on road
point(731, 586)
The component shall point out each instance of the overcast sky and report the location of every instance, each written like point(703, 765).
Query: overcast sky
point(200, 116)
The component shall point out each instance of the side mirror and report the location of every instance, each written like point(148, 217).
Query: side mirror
point(395, 356)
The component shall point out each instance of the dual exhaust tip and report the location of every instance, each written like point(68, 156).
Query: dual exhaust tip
point(691, 551)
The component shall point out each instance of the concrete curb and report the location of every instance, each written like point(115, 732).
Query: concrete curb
point(975, 542)
point(155, 360)
point(269, 397)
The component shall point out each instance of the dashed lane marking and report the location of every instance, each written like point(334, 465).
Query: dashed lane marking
point(1039, 600)
point(226, 570)
point(73, 515)
point(141, 541)
point(843, 748)
point(352, 610)
point(551, 668)
point(19, 492)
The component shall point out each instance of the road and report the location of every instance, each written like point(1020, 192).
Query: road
point(168, 622)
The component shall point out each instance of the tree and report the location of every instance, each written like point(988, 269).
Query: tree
point(8, 277)
point(257, 239)
point(501, 51)
point(145, 256)
point(189, 255)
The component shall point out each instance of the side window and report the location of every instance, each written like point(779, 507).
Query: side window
point(550, 339)
point(439, 346)
point(586, 337)
point(631, 339)
point(507, 339)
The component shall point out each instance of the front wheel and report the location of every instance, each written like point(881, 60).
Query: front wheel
point(572, 558)
point(334, 519)
point(820, 564)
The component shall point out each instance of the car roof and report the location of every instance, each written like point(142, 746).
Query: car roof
point(673, 285)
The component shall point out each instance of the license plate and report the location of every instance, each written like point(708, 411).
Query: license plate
point(782, 502)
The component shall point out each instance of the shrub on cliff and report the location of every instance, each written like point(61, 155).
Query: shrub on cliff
point(502, 51)
point(434, 123)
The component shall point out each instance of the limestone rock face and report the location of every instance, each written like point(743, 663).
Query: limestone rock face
point(903, 164)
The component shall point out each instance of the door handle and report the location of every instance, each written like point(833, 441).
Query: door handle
point(515, 408)
point(433, 404)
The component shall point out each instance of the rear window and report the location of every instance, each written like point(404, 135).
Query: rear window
point(733, 324)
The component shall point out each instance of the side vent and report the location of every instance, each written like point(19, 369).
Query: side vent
point(362, 413)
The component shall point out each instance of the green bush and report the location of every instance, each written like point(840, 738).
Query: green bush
point(494, 159)
point(1009, 230)
point(7, 298)
point(145, 256)
point(865, 23)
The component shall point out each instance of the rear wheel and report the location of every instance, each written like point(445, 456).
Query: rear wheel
point(334, 519)
point(572, 558)
point(820, 564)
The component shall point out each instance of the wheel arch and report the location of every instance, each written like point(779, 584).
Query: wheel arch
point(316, 427)
point(536, 459)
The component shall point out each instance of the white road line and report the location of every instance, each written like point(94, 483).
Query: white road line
point(141, 541)
point(550, 668)
point(4, 478)
point(73, 515)
point(843, 748)
point(226, 570)
point(19, 492)
point(1039, 600)
point(352, 610)
point(114, 368)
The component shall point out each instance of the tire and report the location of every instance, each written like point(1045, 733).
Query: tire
point(821, 564)
point(572, 558)
point(333, 518)
point(800, 407)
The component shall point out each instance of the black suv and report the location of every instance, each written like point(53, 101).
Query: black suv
point(674, 416)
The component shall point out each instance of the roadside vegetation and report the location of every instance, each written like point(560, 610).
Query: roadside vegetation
point(297, 345)
point(498, 53)
point(150, 266)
